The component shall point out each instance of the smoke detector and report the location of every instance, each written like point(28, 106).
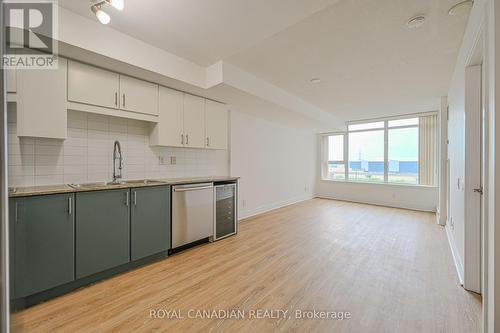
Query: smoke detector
point(461, 8)
point(416, 22)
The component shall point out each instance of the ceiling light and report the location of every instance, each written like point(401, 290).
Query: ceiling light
point(118, 4)
point(461, 7)
point(315, 80)
point(96, 8)
point(102, 16)
point(416, 22)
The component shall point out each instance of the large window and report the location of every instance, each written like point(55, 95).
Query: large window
point(396, 150)
point(366, 154)
point(335, 168)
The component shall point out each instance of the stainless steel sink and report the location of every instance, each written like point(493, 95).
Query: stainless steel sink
point(115, 184)
point(143, 182)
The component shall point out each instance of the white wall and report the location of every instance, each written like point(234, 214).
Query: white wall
point(484, 17)
point(456, 134)
point(411, 197)
point(276, 163)
point(86, 156)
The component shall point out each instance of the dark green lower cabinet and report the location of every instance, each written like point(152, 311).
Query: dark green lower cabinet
point(42, 236)
point(102, 231)
point(150, 221)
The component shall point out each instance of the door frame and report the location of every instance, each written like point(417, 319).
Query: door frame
point(476, 110)
point(473, 188)
point(4, 200)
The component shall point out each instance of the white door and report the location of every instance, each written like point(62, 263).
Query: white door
point(194, 121)
point(138, 96)
point(473, 179)
point(93, 86)
point(216, 125)
point(169, 129)
point(41, 103)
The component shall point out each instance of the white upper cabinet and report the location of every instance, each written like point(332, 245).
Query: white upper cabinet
point(169, 131)
point(138, 96)
point(41, 102)
point(216, 125)
point(194, 121)
point(189, 121)
point(93, 86)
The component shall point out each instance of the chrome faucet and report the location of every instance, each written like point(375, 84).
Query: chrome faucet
point(117, 162)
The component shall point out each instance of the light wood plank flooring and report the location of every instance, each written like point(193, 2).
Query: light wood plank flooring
point(390, 268)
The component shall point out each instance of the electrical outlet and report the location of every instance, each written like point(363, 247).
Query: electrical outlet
point(173, 160)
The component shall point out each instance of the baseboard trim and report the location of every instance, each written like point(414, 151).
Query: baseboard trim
point(454, 253)
point(419, 209)
point(260, 211)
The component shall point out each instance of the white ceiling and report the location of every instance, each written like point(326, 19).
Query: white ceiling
point(204, 31)
point(369, 62)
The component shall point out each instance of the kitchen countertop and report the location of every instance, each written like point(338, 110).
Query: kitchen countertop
point(65, 188)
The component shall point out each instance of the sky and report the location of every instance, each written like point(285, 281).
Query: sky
point(403, 145)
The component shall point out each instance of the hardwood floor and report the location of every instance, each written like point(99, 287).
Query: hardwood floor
point(390, 268)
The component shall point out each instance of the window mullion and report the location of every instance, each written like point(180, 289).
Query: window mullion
point(346, 156)
point(386, 151)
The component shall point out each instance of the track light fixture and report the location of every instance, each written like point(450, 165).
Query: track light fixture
point(102, 16)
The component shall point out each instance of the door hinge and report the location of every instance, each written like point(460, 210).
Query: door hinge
point(479, 190)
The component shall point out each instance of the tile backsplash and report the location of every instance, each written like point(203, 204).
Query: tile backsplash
point(86, 155)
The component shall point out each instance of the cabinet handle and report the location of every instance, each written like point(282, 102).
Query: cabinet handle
point(16, 212)
point(135, 198)
point(187, 139)
point(70, 206)
point(123, 100)
point(127, 199)
point(182, 139)
point(116, 99)
point(208, 141)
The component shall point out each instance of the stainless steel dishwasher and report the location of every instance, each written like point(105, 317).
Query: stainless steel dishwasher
point(192, 213)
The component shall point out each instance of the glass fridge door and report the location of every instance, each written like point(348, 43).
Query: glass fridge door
point(225, 210)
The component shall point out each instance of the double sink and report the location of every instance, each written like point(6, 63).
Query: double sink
point(116, 184)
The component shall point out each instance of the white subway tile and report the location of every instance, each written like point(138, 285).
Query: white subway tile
point(75, 169)
point(21, 160)
point(21, 149)
point(49, 170)
point(86, 156)
point(75, 178)
point(49, 180)
point(48, 160)
point(41, 149)
point(76, 142)
point(22, 170)
point(75, 151)
point(70, 160)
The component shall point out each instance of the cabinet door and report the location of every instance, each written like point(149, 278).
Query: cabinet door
point(194, 121)
point(150, 221)
point(216, 125)
point(169, 129)
point(42, 232)
point(138, 96)
point(102, 231)
point(41, 102)
point(91, 85)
